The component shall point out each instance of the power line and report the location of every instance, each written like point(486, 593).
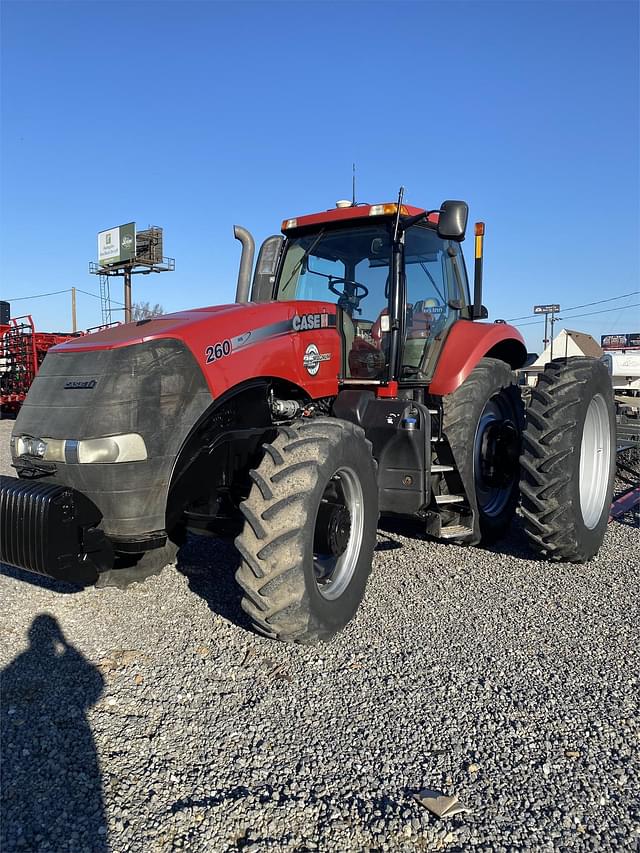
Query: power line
point(96, 296)
point(534, 323)
point(586, 305)
point(39, 295)
point(57, 292)
point(604, 311)
point(601, 301)
point(588, 314)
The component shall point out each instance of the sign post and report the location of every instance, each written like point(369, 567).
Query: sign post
point(552, 309)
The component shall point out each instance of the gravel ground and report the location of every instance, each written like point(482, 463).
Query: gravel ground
point(153, 720)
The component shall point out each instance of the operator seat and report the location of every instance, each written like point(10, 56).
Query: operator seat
point(418, 333)
point(348, 331)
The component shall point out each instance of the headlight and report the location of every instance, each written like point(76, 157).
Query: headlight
point(31, 446)
point(115, 448)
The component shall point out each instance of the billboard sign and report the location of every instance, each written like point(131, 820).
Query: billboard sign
point(620, 341)
point(149, 246)
point(546, 309)
point(117, 245)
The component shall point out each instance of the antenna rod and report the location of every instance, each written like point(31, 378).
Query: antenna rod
point(353, 187)
point(397, 222)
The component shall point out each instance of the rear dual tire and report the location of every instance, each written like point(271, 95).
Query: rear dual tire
point(483, 423)
point(568, 462)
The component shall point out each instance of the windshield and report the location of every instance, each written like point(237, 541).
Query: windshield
point(349, 267)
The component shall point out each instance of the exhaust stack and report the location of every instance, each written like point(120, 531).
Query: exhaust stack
point(246, 262)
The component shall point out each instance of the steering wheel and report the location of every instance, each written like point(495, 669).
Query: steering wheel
point(363, 291)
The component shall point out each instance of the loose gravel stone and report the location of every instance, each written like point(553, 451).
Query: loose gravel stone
point(152, 720)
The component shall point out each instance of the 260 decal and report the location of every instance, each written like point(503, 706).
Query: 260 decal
point(217, 351)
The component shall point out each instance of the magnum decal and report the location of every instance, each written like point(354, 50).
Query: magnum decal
point(313, 358)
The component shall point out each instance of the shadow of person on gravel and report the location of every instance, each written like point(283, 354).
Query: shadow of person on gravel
point(50, 786)
point(209, 566)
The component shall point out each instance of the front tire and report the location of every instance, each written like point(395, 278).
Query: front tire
point(568, 463)
point(310, 531)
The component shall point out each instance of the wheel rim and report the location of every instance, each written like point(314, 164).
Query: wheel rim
point(495, 456)
point(595, 456)
point(338, 533)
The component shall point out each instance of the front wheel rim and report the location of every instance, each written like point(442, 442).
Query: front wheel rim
point(595, 461)
point(333, 571)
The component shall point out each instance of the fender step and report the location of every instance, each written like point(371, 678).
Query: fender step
point(455, 531)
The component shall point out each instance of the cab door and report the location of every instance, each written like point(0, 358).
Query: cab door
point(437, 292)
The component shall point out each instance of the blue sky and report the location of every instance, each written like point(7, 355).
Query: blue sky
point(196, 116)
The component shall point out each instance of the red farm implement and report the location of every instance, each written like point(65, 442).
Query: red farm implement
point(22, 351)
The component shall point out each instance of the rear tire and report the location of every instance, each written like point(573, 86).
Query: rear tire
point(310, 531)
point(483, 423)
point(568, 463)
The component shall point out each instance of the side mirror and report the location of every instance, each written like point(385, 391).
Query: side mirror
point(265, 274)
point(452, 222)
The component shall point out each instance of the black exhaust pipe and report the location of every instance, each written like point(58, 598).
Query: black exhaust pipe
point(246, 262)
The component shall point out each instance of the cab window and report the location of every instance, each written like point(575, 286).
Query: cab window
point(436, 291)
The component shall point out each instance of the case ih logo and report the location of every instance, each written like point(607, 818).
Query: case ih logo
point(305, 322)
point(81, 384)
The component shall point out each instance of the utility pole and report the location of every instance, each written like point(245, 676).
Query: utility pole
point(127, 295)
point(74, 321)
point(551, 322)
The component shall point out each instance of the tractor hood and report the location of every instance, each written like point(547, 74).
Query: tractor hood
point(155, 379)
point(167, 326)
point(234, 343)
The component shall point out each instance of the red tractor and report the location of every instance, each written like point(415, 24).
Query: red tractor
point(351, 379)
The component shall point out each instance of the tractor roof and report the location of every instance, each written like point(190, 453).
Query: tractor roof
point(352, 212)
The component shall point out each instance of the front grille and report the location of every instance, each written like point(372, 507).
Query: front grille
point(51, 530)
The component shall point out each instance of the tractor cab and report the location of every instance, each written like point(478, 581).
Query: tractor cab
point(397, 277)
